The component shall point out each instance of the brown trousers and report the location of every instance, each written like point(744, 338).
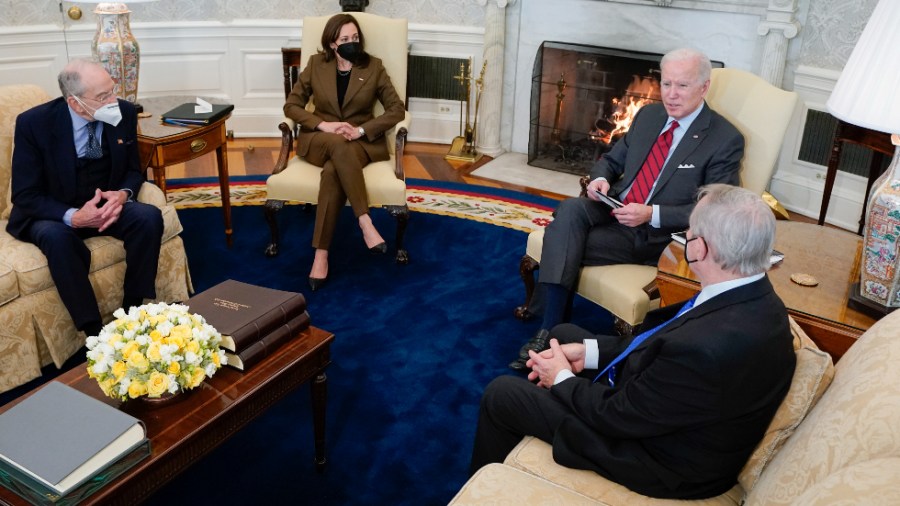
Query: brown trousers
point(342, 180)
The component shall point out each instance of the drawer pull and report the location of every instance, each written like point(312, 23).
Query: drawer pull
point(198, 145)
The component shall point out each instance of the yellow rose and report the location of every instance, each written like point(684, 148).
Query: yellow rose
point(131, 325)
point(175, 368)
point(118, 370)
point(107, 385)
point(175, 339)
point(215, 359)
point(157, 384)
point(137, 389)
point(193, 346)
point(156, 336)
point(138, 361)
point(153, 352)
point(114, 338)
point(198, 377)
point(129, 348)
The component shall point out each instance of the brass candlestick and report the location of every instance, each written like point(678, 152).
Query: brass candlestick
point(560, 86)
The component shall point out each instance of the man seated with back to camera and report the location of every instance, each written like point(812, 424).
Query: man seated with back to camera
point(75, 175)
point(670, 150)
point(676, 412)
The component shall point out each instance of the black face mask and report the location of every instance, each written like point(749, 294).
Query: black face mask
point(350, 51)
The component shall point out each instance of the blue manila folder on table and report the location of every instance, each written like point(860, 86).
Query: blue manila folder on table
point(59, 445)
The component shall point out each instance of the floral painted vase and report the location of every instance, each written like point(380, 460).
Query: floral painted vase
point(879, 275)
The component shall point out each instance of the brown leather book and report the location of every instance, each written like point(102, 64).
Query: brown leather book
point(257, 351)
point(244, 313)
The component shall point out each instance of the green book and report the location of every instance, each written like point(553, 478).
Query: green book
point(60, 445)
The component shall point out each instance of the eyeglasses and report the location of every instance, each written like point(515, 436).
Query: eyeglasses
point(101, 98)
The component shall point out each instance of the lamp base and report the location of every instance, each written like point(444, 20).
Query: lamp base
point(868, 307)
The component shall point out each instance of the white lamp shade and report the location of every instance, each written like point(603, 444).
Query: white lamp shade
point(868, 92)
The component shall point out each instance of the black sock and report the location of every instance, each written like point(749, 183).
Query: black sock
point(127, 302)
point(555, 305)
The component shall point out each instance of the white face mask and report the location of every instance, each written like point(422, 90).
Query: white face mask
point(109, 113)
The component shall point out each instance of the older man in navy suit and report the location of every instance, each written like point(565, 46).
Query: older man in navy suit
point(75, 175)
point(676, 411)
point(670, 151)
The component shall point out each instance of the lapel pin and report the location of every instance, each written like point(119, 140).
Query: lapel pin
point(696, 136)
point(119, 141)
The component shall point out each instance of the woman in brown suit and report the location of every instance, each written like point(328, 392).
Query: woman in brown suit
point(342, 135)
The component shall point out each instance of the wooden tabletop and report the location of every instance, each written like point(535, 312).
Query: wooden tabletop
point(185, 430)
point(830, 255)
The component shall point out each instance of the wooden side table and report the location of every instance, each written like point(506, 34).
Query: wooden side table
point(161, 145)
point(879, 142)
point(822, 311)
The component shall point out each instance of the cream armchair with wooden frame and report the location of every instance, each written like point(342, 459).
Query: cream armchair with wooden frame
point(35, 327)
point(294, 179)
point(761, 112)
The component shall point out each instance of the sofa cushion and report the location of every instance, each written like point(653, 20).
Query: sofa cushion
point(500, 484)
point(9, 285)
point(812, 376)
point(855, 421)
point(536, 457)
point(872, 483)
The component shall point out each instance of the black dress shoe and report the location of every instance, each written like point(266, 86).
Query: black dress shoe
point(316, 283)
point(379, 249)
point(518, 365)
point(538, 343)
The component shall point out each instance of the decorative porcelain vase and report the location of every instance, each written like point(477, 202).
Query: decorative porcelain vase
point(116, 49)
point(163, 400)
point(879, 273)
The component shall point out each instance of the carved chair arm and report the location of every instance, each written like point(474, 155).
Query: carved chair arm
point(584, 181)
point(287, 145)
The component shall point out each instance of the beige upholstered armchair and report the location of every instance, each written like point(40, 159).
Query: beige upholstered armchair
point(35, 328)
point(294, 179)
point(761, 112)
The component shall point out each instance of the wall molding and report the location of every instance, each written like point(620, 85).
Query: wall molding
point(239, 61)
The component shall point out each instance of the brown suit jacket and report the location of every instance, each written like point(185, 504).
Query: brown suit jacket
point(318, 83)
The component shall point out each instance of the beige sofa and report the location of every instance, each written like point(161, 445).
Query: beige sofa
point(35, 328)
point(831, 442)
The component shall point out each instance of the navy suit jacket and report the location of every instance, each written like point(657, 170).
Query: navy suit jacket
point(710, 152)
point(690, 403)
point(43, 162)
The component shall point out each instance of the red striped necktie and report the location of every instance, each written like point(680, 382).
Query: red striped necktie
point(646, 177)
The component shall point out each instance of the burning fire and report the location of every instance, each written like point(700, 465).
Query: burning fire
point(639, 93)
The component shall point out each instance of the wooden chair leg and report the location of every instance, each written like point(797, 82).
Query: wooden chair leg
point(271, 209)
point(401, 213)
point(527, 266)
point(623, 328)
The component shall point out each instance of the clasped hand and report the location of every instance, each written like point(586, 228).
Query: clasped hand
point(102, 217)
point(547, 364)
point(342, 128)
point(631, 215)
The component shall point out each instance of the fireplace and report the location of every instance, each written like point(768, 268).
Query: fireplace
point(583, 99)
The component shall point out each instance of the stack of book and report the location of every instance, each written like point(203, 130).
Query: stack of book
point(253, 320)
point(59, 445)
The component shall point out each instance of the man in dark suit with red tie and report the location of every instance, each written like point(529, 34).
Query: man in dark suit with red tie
point(676, 412)
point(75, 175)
point(670, 150)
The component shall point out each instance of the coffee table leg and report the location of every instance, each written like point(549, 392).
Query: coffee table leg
point(222, 158)
point(319, 392)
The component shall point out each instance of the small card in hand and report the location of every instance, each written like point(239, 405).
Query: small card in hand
point(609, 201)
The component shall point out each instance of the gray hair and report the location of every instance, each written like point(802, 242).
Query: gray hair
point(738, 227)
point(704, 67)
point(70, 77)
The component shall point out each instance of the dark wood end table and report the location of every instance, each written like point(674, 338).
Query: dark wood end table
point(822, 311)
point(183, 432)
point(161, 145)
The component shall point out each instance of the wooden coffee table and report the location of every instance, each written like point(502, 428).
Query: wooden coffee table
point(161, 145)
point(828, 254)
point(182, 432)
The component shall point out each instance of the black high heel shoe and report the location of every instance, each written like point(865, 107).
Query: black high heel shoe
point(379, 249)
point(316, 283)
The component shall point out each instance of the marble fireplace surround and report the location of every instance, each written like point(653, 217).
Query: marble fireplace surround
point(753, 35)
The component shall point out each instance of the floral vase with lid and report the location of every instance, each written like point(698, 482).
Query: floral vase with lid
point(879, 273)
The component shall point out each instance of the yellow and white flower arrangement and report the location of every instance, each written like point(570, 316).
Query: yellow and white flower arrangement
point(152, 350)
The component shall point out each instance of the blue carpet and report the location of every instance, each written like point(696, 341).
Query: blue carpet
point(414, 347)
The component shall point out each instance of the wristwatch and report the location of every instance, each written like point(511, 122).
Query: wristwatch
point(362, 132)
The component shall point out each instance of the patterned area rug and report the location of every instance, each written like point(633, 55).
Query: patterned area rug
point(489, 205)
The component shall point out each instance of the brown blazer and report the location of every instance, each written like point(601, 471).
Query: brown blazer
point(318, 82)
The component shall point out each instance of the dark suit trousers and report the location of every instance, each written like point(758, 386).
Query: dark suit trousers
point(140, 227)
point(583, 232)
point(342, 163)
